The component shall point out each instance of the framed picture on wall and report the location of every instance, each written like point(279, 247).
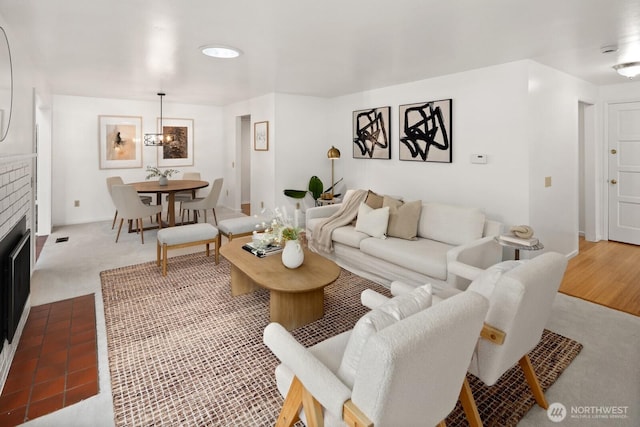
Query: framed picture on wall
point(120, 142)
point(425, 131)
point(179, 152)
point(261, 136)
point(371, 133)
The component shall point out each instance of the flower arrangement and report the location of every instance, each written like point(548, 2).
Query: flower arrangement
point(153, 171)
point(281, 227)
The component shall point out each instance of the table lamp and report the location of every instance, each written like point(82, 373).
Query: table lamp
point(333, 154)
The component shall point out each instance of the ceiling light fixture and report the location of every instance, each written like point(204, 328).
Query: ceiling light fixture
point(159, 139)
point(219, 51)
point(628, 69)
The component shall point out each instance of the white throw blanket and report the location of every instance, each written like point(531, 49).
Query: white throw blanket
point(321, 236)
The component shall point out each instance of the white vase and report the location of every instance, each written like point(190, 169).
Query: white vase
point(163, 180)
point(292, 255)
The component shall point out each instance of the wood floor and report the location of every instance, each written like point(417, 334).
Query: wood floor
point(607, 273)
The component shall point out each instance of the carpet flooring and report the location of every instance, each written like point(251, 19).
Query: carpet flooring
point(183, 351)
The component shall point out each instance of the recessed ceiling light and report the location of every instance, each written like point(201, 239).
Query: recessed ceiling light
point(628, 69)
point(219, 51)
point(609, 49)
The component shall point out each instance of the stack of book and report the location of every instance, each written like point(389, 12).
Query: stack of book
point(510, 238)
point(262, 251)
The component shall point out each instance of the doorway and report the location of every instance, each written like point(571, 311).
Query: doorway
point(245, 164)
point(623, 179)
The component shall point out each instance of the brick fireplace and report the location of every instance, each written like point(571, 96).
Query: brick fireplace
point(16, 205)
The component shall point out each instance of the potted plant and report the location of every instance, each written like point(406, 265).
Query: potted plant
point(153, 171)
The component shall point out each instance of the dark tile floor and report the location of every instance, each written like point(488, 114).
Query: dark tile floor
point(56, 362)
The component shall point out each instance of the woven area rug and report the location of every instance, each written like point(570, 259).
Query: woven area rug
point(183, 351)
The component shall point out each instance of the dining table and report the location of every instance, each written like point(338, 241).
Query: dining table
point(172, 187)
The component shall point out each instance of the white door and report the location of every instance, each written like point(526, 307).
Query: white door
point(624, 172)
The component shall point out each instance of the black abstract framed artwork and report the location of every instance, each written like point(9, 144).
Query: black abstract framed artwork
point(425, 131)
point(371, 132)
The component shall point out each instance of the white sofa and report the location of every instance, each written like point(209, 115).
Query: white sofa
point(448, 239)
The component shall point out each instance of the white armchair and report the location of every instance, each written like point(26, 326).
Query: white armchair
point(520, 295)
point(409, 371)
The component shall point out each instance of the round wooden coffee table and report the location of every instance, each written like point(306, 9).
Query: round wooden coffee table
point(296, 296)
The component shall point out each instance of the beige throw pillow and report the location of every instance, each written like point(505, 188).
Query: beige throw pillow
point(373, 200)
point(403, 218)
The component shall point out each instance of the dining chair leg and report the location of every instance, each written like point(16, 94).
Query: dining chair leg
point(113, 224)
point(119, 229)
point(215, 219)
point(141, 228)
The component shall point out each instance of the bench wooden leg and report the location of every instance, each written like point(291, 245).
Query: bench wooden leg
point(207, 250)
point(217, 248)
point(164, 259)
point(158, 254)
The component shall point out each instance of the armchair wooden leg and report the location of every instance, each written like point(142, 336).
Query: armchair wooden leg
point(442, 424)
point(291, 406)
point(113, 224)
point(469, 405)
point(532, 380)
point(312, 409)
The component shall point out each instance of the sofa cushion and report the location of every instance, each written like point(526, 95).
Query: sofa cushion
point(372, 221)
point(449, 224)
point(403, 218)
point(348, 235)
point(385, 315)
point(428, 257)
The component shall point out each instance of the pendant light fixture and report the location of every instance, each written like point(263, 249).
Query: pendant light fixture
point(159, 139)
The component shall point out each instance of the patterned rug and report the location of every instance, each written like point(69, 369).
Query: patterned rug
point(183, 351)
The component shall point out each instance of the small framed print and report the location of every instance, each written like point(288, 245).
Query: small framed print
point(120, 142)
point(261, 136)
point(179, 152)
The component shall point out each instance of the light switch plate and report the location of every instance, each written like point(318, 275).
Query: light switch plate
point(479, 158)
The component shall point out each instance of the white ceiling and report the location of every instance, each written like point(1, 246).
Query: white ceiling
point(132, 49)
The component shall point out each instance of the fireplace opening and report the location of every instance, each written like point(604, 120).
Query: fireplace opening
point(15, 265)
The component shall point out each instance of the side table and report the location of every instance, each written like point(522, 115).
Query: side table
point(325, 202)
point(518, 247)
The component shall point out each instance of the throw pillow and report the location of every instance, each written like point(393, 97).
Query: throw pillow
point(385, 315)
point(485, 283)
point(405, 305)
point(367, 326)
point(374, 200)
point(372, 221)
point(403, 218)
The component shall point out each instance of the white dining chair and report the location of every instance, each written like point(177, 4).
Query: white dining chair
point(186, 196)
point(116, 180)
point(209, 202)
point(131, 208)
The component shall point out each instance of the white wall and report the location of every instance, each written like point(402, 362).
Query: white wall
point(489, 117)
point(302, 147)
point(553, 122)
point(76, 172)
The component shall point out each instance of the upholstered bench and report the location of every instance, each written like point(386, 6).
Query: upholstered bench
point(242, 226)
point(186, 235)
